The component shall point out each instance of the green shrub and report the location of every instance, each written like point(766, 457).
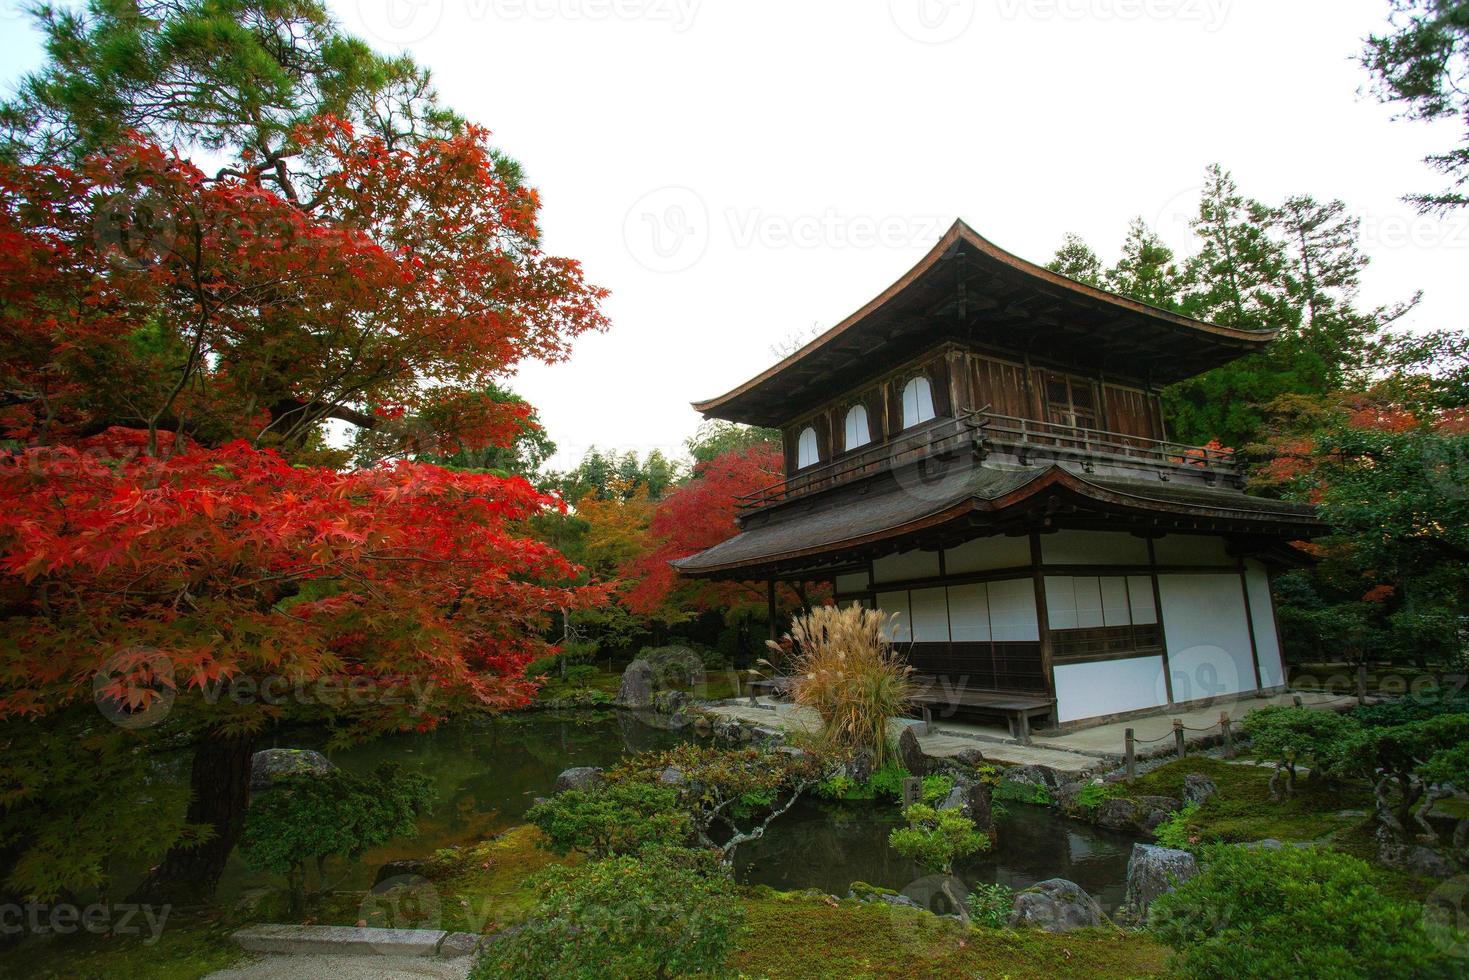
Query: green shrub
point(1009, 791)
point(620, 818)
point(936, 788)
point(662, 914)
point(1291, 912)
point(309, 818)
point(1289, 736)
point(937, 838)
point(1092, 795)
point(1401, 711)
point(1174, 832)
point(990, 905)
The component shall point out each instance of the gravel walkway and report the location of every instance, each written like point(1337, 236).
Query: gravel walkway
point(306, 966)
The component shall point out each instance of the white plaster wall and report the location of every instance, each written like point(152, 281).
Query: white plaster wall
point(1109, 687)
point(1267, 642)
point(906, 565)
point(987, 554)
point(1207, 636)
point(1074, 547)
point(969, 613)
point(930, 611)
point(1012, 610)
point(1190, 549)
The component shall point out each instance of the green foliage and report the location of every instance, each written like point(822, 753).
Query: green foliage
point(607, 474)
point(935, 788)
point(307, 819)
point(1092, 795)
point(1076, 260)
point(990, 904)
point(937, 838)
point(887, 780)
point(1175, 832)
point(1292, 912)
point(1009, 791)
point(1290, 736)
point(1401, 711)
point(657, 915)
point(716, 437)
point(618, 818)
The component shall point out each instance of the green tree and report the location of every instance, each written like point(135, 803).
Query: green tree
point(937, 838)
point(1146, 271)
point(304, 820)
point(1423, 65)
point(715, 437)
point(1076, 260)
point(619, 818)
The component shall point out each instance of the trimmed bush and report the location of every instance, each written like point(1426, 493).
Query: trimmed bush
point(620, 818)
point(661, 914)
point(990, 905)
point(1292, 912)
point(1291, 737)
point(937, 838)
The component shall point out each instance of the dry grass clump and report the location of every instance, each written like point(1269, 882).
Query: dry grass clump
point(845, 668)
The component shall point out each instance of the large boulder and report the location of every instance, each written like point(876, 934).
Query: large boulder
point(973, 800)
point(579, 778)
point(1154, 871)
point(1056, 905)
point(271, 766)
point(1040, 776)
point(636, 689)
point(1197, 788)
point(1117, 815)
point(670, 702)
point(910, 753)
point(969, 757)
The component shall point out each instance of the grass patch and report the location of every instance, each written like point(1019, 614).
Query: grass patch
point(484, 887)
point(1242, 810)
point(189, 947)
point(794, 936)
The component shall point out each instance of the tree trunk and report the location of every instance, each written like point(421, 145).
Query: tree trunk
point(219, 785)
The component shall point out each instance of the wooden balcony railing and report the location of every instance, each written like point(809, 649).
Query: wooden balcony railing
point(1028, 440)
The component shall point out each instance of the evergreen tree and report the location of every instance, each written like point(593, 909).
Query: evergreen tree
point(1146, 271)
point(1076, 260)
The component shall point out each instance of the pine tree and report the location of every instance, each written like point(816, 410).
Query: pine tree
point(1076, 260)
point(1146, 272)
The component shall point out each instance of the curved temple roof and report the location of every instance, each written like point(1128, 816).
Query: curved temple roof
point(970, 289)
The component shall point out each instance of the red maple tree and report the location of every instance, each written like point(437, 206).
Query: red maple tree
point(176, 530)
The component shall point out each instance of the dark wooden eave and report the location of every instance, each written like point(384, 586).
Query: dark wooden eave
point(916, 511)
point(971, 290)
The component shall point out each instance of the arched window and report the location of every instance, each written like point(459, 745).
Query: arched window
point(917, 402)
point(857, 432)
point(807, 453)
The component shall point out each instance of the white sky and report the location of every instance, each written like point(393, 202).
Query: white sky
point(737, 171)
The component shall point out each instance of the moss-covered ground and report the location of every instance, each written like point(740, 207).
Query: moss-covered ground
point(189, 946)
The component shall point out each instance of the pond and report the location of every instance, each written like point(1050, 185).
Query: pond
point(488, 774)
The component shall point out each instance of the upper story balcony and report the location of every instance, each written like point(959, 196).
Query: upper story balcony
point(1006, 440)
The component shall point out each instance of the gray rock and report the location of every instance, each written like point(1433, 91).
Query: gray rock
point(672, 777)
point(270, 766)
point(1056, 905)
point(1165, 803)
point(969, 757)
point(703, 726)
point(1117, 815)
point(1414, 858)
point(636, 689)
point(910, 753)
point(457, 944)
point(1032, 776)
point(728, 730)
point(1268, 844)
point(859, 767)
point(1197, 788)
point(578, 777)
point(669, 702)
point(1154, 871)
point(1152, 820)
point(973, 800)
point(398, 869)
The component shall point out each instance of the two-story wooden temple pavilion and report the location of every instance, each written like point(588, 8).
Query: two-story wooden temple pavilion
point(982, 449)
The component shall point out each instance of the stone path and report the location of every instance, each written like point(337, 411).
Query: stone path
point(1074, 753)
point(315, 966)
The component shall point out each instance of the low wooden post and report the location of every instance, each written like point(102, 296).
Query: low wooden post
point(1296, 700)
point(927, 719)
point(1226, 725)
point(1023, 724)
point(912, 787)
point(1361, 683)
point(1178, 737)
point(1129, 755)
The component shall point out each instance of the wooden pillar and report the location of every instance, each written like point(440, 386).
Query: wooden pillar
point(770, 605)
point(1158, 611)
point(1244, 586)
point(1042, 617)
point(1179, 744)
point(1129, 753)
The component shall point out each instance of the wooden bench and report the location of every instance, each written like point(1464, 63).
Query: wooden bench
point(1017, 708)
